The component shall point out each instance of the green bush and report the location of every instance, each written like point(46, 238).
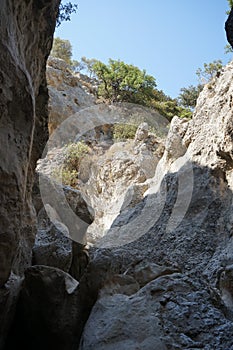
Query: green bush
point(74, 153)
point(67, 174)
point(124, 131)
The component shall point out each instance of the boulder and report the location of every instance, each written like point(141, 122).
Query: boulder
point(47, 310)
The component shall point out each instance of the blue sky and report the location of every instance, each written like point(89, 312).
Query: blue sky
point(168, 38)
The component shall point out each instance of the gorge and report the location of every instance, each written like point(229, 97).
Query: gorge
point(161, 277)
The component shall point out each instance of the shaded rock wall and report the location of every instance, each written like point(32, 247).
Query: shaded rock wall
point(191, 307)
point(26, 38)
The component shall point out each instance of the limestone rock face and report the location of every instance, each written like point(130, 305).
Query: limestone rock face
point(26, 39)
point(67, 91)
point(155, 318)
point(177, 241)
point(52, 247)
point(118, 178)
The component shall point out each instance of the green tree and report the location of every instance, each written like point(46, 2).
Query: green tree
point(123, 82)
point(77, 66)
point(87, 64)
point(209, 71)
point(170, 108)
point(65, 11)
point(188, 96)
point(62, 49)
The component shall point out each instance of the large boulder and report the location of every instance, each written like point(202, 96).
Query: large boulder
point(168, 313)
point(47, 312)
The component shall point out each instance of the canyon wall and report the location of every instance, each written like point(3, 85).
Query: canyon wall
point(27, 29)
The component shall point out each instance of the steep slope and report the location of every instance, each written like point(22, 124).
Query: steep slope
point(176, 244)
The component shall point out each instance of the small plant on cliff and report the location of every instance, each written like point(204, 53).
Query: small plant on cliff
point(67, 174)
point(124, 131)
point(74, 153)
point(209, 71)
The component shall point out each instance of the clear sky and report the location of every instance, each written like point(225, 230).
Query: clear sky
point(168, 38)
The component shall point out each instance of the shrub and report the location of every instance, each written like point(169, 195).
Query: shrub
point(67, 174)
point(124, 131)
point(74, 153)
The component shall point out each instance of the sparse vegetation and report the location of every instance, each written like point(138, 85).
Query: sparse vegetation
point(209, 71)
point(67, 174)
point(122, 132)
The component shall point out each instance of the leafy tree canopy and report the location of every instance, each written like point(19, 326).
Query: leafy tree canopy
point(62, 49)
point(188, 96)
point(123, 82)
point(87, 64)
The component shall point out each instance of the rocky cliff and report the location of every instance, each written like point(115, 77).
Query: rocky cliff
point(160, 270)
point(26, 37)
point(69, 92)
point(170, 286)
point(160, 274)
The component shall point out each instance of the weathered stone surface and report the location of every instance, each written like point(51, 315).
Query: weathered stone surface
point(58, 243)
point(47, 310)
point(9, 297)
point(52, 246)
point(163, 278)
point(26, 39)
point(120, 284)
point(23, 120)
point(63, 204)
point(118, 179)
point(144, 272)
point(184, 223)
point(170, 312)
point(67, 92)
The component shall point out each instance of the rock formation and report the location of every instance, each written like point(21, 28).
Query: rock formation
point(190, 303)
point(26, 39)
point(161, 275)
point(68, 92)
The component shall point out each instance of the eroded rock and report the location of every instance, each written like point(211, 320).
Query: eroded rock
point(47, 310)
point(26, 39)
point(67, 92)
